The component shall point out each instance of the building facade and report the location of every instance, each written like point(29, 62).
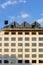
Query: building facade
point(21, 44)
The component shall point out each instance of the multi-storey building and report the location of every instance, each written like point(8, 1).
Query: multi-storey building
point(21, 44)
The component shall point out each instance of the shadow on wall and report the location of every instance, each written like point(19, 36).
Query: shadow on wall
point(5, 60)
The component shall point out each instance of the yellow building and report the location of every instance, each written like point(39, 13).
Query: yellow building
point(21, 44)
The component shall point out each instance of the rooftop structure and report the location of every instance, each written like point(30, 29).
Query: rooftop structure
point(23, 25)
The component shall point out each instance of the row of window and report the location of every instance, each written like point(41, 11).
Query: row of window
point(26, 33)
point(21, 44)
point(20, 56)
point(20, 38)
point(20, 61)
point(14, 39)
point(20, 50)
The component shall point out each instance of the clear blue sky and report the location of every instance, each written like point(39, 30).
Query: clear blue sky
point(21, 10)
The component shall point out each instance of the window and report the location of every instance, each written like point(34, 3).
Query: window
point(33, 38)
point(33, 61)
point(6, 33)
point(26, 44)
point(13, 61)
point(26, 38)
point(13, 50)
point(6, 56)
point(26, 55)
point(0, 55)
point(33, 44)
point(6, 50)
point(6, 61)
point(40, 50)
point(26, 33)
point(19, 33)
point(0, 38)
point(19, 61)
point(13, 33)
point(33, 50)
point(33, 33)
point(0, 61)
point(6, 44)
point(19, 44)
point(6, 38)
point(40, 61)
point(19, 50)
point(0, 44)
point(19, 55)
point(40, 55)
point(40, 38)
point(13, 44)
point(33, 55)
point(26, 61)
point(40, 44)
point(13, 39)
point(13, 55)
point(0, 50)
point(27, 50)
point(20, 39)
point(40, 33)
